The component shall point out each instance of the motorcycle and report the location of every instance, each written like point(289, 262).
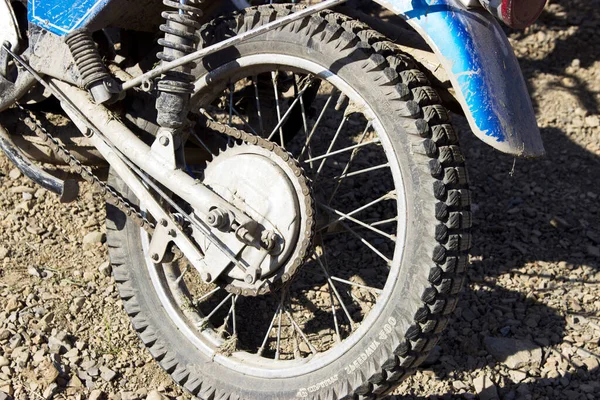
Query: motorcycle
point(287, 203)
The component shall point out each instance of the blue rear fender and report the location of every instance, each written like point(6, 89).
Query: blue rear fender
point(483, 70)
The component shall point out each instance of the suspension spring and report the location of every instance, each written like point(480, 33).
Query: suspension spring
point(94, 74)
point(177, 85)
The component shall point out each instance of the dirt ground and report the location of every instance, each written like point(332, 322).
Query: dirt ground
point(527, 325)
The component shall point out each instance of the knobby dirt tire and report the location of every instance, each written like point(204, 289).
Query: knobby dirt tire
point(437, 236)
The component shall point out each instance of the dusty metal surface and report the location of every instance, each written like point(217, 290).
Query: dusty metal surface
point(481, 65)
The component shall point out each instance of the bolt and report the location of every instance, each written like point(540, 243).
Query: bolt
point(164, 222)
point(164, 140)
point(218, 218)
point(172, 232)
point(268, 239)
point(155, 256)
point(249, 278)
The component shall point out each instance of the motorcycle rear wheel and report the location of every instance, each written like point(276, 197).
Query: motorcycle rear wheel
point(426, 263)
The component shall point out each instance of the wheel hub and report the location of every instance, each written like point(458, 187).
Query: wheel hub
point(271, 191)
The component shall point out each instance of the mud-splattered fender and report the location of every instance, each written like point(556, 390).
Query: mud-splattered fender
point(483, 69)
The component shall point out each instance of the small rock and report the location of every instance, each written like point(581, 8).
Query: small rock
point(4, 361)
point(34, 271)
point(77, 305)
point(304, 347)
point(49, 392)
point(88, 276)
point(94, 237)
point(517, 376)
point(515, 354)
point(593, 251)
point(8, 390)
point(93, 371)
point(48, 318)
point(591, 363)
point(71, 353)
point(96, 395)
point(12, 304)
point(39, 356)
point(14, 174)
point(155, 395)
point(4, 252)
point(485, 388)
point(75, 382)
point(125, 395)
point(105, 268)
point(107, 374)
point(49, 371)
point(22, 189)
point(592, 121)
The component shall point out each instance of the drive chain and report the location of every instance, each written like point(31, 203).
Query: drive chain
point(114, 197)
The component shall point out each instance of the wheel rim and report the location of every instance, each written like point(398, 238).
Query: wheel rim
point(168, 279)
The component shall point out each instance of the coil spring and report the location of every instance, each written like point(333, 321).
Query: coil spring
point(86, 56)
point(180, 39)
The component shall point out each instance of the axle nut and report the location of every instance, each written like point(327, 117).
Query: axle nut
point(217, 219)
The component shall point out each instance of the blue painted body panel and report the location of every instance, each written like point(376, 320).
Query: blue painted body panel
point(483, 69)
point(63, 16)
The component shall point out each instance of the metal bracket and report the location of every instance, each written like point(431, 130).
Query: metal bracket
point(165, 146)
point(163, 235)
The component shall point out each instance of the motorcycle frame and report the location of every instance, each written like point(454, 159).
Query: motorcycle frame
point(499, 114)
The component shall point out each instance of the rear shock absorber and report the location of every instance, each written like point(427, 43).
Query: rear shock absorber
point(176, 86)
point(93, 72)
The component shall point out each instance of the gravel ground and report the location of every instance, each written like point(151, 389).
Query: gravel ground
point(527, 326)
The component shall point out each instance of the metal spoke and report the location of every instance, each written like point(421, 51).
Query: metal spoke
point(385, 221)
point(180, 277)
point(330, 282)
point(362, 171)
point(337, 133)
point(246, 124)
point(213, 312)
point(264, 343)
point(345, 149)
point(314, 128)
point(230, 103)
point(258, 109)
point(274, 78)
point(299, 330)
point(335, 278)
point(197, 137)
point(349, 163)
point(233, 301)
point(333, 312)
point(229, 314)
point(366, 243)
point(303, 110)
point(288, 112)
point(207, 295)
point(279, 324)
point(359, 222)
point(386, 196)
